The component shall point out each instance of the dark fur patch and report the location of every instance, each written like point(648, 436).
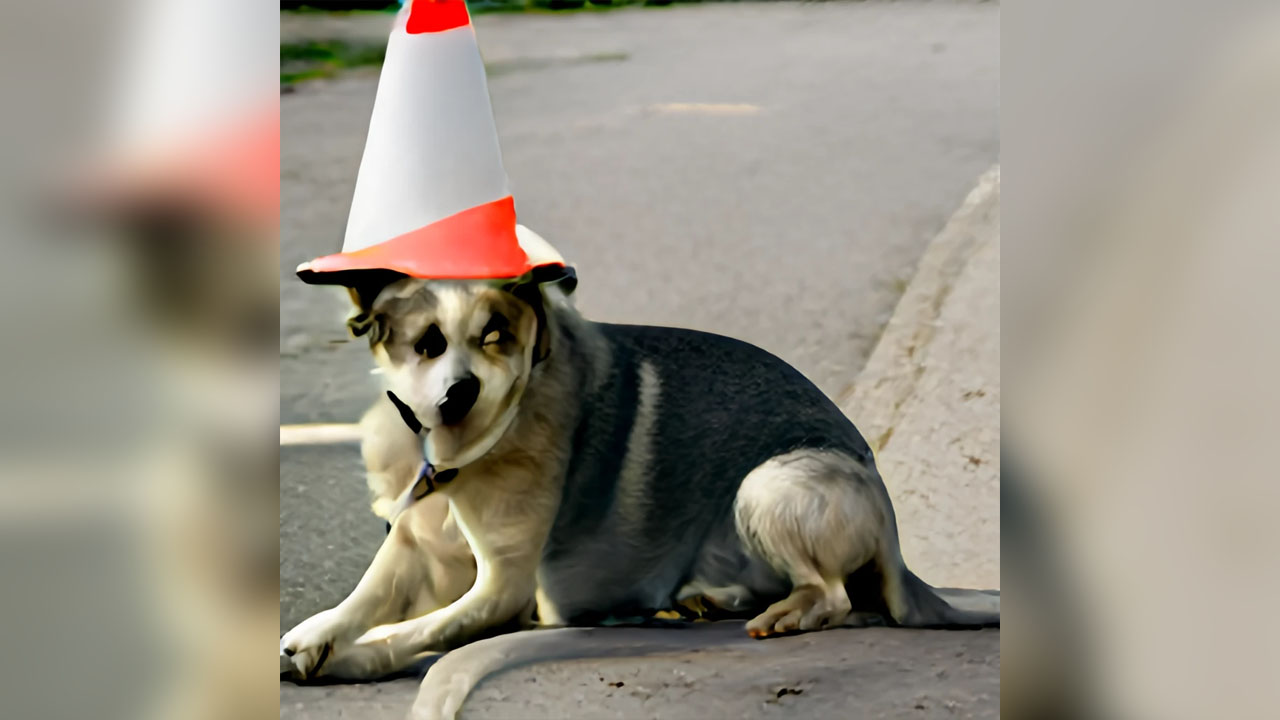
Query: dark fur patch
point(406, 413)
point(432, 343)
point(531, 293)
point(497, 321)
point(375, 326)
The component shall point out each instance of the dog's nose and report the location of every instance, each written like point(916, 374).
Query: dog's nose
point(459, 400)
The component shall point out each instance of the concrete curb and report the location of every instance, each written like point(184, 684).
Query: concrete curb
point(928, 399)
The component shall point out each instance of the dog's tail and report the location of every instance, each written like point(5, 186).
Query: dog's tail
point(927, 606)
point(912, 602)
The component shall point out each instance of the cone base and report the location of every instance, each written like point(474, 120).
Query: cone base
point(478, 243)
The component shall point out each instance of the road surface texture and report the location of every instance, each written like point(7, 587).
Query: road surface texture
point(772, 172)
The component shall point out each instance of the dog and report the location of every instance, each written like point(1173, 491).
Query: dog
point(541, 469)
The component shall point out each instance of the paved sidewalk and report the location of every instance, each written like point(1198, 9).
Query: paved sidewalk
point(929, 400)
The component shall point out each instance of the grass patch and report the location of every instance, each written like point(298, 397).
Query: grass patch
point(322, 58)
point(480, 7)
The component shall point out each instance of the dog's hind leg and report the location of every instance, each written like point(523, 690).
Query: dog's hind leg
point(804, 515)
point(816, 516)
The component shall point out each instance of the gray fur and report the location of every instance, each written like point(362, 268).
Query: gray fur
point(726, 408)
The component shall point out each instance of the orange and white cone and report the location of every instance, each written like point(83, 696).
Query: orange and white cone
point(432, 199)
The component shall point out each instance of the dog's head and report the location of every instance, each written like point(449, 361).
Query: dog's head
point(457, 354)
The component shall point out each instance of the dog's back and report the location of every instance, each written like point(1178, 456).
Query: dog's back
point(660, 449)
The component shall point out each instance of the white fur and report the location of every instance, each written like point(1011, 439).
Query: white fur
point(633, 481)
point(789, 510)
point(502, 501)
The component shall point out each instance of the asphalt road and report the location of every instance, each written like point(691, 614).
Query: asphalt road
point(793, 226)
point(767, 171)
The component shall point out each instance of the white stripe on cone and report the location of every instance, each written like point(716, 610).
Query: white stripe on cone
point(432, 149)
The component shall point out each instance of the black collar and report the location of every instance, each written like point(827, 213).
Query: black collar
point(428, 477)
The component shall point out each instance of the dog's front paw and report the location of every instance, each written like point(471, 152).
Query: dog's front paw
point(306, 649)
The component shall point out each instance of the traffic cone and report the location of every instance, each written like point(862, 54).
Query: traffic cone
point(432, 199)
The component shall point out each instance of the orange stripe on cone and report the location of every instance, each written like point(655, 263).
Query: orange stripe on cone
point(427, 16)
point(476, 243)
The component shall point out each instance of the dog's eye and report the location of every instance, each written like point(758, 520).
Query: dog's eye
point(495, 330)
point(432, 343)
point(497, 336)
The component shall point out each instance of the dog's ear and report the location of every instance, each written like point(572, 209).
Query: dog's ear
point(363, 290)
point(530, 290)
point(374, 325)
point(563, 277)
point(531, 294)
point(365, 321)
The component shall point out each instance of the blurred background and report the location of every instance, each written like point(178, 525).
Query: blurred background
point(139, 484)
point(775, 171)
point(1140, 142)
